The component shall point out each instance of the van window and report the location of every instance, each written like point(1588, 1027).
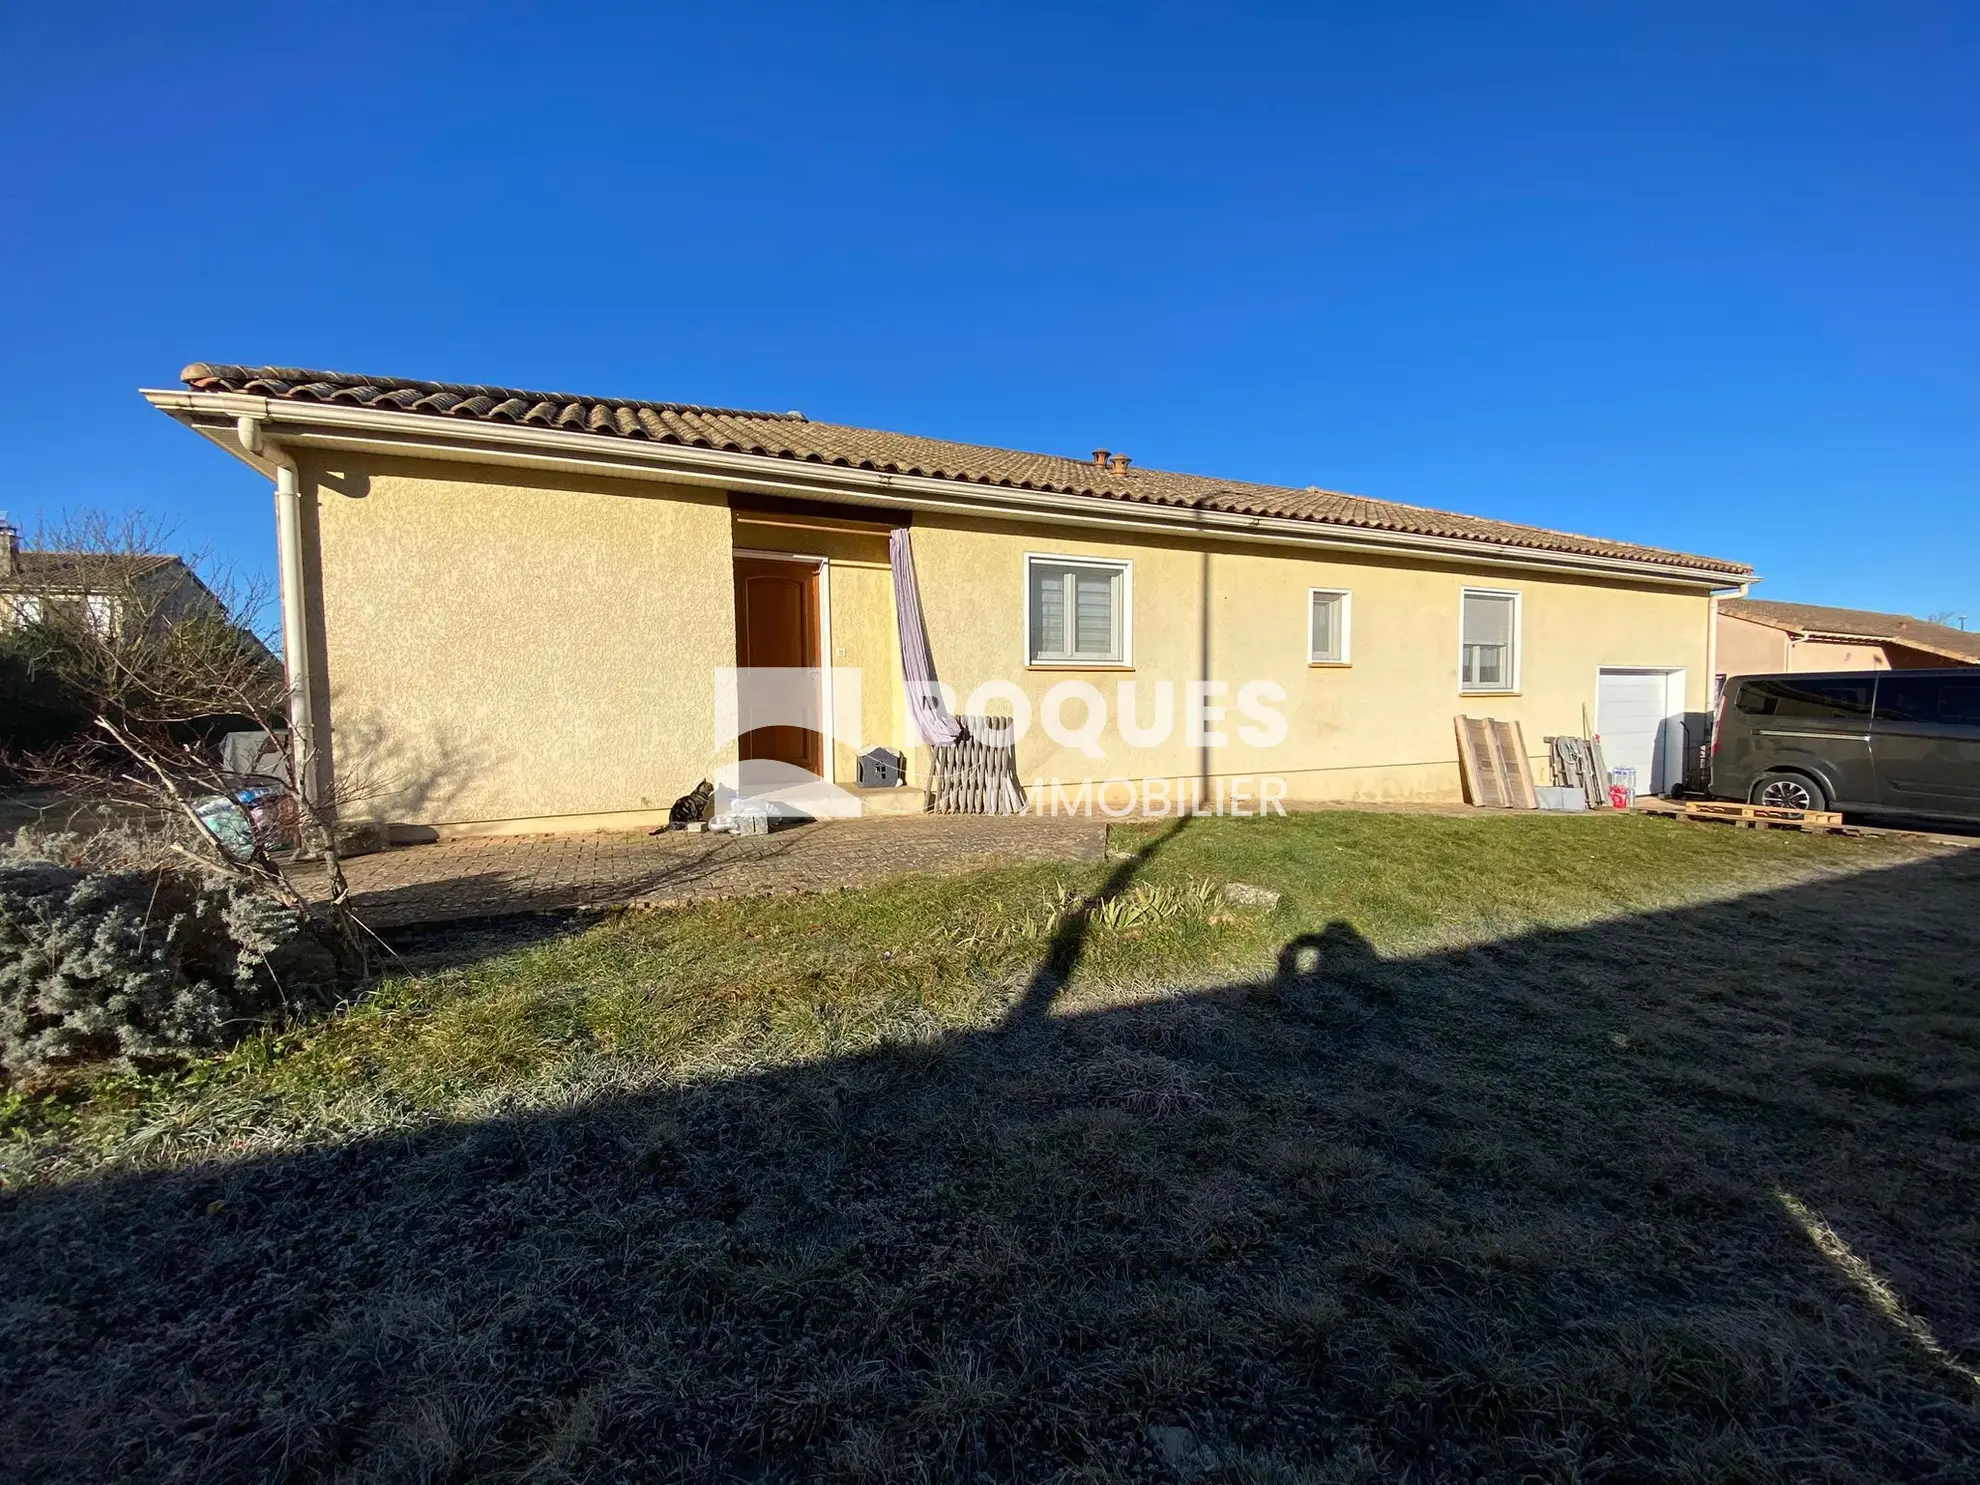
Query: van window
point(1903, 698)
point(1791, 698)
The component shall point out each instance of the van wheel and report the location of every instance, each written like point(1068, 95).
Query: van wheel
point(1789, 791)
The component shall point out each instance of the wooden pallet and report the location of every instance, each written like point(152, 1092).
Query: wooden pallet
point(1766, 817)
point(1662, 809)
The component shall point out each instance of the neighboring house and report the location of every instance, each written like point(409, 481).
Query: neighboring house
point(103, 588)
point(1758, 636)
point(128, 598)
point(512, 608)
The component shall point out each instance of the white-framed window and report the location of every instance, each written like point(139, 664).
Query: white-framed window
point(99, 613)
point(27, 608)
point(1488, 641)
point(1329, 613)
point(1078, 610)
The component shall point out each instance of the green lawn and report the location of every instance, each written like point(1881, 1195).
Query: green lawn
point(1500, 1146)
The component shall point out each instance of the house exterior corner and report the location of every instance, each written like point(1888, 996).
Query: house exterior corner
point(500, 651)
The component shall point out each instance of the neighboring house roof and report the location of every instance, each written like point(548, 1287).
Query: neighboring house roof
point(1857, 624)
point(80, 569)
point(793, 436)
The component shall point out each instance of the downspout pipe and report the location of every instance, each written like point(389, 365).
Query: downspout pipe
point(295, 631)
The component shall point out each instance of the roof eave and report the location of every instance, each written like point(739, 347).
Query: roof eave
point(1839, 637)
point(424, 435)
point(1923, 646)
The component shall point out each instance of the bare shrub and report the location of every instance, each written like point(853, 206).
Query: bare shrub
point(163, 661)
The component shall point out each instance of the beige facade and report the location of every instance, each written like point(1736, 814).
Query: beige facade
point(500, 648)
point(1747, 648)
point(1379, 727)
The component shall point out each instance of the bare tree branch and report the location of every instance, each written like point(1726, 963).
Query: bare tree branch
point(165, 662)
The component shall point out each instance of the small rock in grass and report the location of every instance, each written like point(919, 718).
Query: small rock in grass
point(1242, 894)
point(1183, 1452)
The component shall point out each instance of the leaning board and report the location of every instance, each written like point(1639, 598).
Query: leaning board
point(1492, 758)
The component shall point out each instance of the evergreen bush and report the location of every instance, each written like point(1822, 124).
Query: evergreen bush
point(116, 946)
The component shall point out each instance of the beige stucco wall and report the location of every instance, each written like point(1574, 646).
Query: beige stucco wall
point(1379, 728)
point(1823, 654)
point(1747, 648)
point(497, 645)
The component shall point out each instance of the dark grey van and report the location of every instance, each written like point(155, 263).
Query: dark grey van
point(1895, 742)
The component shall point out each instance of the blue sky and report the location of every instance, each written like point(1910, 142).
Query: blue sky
point(1704, 277)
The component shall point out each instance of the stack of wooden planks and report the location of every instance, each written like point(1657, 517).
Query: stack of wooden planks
point(977, 775)
point(1492, 758)
point(1577, 763)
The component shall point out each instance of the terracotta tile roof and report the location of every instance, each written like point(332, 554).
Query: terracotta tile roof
point(76, 569)
point(793, 436)
point(1857, 623)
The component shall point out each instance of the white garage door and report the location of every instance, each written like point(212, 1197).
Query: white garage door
point(1633, 713)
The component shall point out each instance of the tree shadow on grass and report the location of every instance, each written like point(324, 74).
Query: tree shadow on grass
point(456, 921)
point(1068, 943)
point(687, 868)
point(459, 943)
point(1521, 1209)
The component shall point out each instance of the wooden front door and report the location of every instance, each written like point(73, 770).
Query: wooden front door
point(777, 625)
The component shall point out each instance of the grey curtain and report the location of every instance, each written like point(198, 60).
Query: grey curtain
point(931, 717)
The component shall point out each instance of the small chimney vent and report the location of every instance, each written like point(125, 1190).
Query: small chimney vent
point(10, 546)
point(1118, 464)
point(1100, 458)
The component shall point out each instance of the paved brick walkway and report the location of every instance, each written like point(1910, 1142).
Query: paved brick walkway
point(552, 873)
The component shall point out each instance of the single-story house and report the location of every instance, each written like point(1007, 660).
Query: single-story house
point(1761, 637)
point(103, 588)
point(100, 583)
point(516, 611)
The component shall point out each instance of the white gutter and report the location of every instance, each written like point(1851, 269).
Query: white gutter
point(249, 433)
point(366, 430)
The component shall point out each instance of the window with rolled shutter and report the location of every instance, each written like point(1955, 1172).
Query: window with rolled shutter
point(1078, 612)
point(1487, 647)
